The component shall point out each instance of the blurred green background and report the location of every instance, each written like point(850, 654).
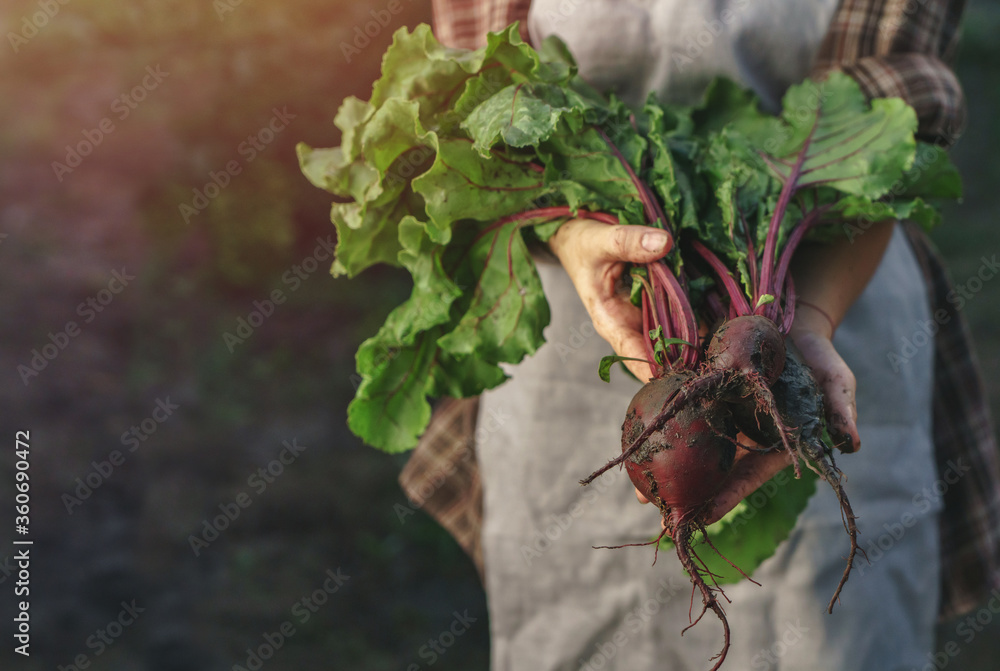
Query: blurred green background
point(225, 70)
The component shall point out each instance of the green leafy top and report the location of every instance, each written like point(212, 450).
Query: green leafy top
point(461, 158)
point(438, 170)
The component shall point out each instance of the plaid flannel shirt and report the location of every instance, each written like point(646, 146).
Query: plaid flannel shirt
point(891, 48)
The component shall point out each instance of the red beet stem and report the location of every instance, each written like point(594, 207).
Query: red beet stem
point(736, 297)
point(789, 187)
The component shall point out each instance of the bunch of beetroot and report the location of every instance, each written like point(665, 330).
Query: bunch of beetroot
point(462, 161)
point(683, 429)
point(680, 435)
point(679, 438)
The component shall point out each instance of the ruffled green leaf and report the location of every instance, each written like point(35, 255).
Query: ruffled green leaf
point(435, 171)
point(753, 530)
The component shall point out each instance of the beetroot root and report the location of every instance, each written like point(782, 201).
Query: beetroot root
point(801, 404)
point(683, 464)
point(680, 467)
point(752, 350)
point(751, 344)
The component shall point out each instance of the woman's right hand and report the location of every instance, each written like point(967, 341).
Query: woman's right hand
point(594, 255)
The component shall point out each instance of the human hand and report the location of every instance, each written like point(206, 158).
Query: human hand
point(812, 332)
point(594, 256)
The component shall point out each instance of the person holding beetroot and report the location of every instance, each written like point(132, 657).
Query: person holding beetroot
point(561, 604)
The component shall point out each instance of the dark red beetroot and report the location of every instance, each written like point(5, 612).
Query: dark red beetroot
point(788, 409)
point(744, 357)
point(683, 464)
point(678, 439)
point(680, 467)
point(753, 347)
point(751, 344)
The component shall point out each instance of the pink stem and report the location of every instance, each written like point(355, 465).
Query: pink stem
point(601, 217)
point(787, 190)
point(751, 259)
point(737, 301)
point(789, 315)
point(794, 239)
point(649, 203)
point(646, 328)
point(650, 320)
point(679, 319)
point(663, 315)
point(686, 326)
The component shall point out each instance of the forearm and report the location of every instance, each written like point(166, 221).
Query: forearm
point(830, 277)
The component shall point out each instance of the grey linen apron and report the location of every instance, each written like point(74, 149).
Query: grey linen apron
point(556, 603)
